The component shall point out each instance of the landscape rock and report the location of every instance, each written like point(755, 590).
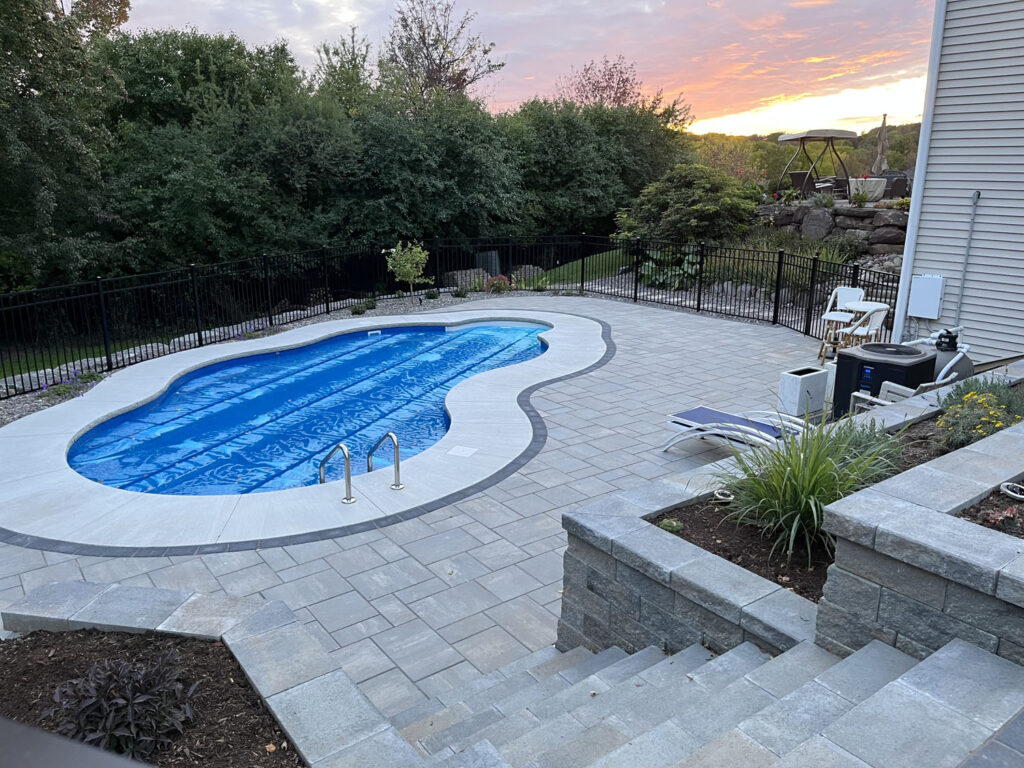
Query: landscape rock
point(854, 223)
point(464, 278)
point(891, 218)
point(885, 248)
point(817, 223)
point(888, 235)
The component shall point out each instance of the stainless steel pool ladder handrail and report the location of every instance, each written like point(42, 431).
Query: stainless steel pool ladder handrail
point(397, 485)
point(349, 498)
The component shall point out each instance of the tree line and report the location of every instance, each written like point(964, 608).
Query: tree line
point(130, 152)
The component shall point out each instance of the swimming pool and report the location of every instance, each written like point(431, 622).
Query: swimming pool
point(262, 423)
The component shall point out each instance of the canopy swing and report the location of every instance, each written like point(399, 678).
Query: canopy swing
point(809, 180)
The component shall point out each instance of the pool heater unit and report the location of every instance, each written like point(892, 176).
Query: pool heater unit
point(864, 368)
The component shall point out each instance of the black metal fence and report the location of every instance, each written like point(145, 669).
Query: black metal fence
point(54, 335)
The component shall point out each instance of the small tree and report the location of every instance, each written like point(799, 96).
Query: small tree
point(406, 261)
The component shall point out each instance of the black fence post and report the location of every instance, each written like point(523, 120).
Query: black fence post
point(636, 268)
point(325, 279)
point(266, 281)
point(810, 295)
point(701, 255)
point(581, 253)
point(195, 303)
point(778, 287)
point(104, 324)
point(855, 277)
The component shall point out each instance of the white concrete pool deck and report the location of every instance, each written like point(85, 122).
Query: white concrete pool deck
point(418, 608)
point(37, 476)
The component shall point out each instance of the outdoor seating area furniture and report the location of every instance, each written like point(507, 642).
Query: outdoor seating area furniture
point(874, 188)
point(750, 428)
point(890, 393)
point(867, 327)
point(836, 316)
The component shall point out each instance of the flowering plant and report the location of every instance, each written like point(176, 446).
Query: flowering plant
point(498, 284)
point(976, 415)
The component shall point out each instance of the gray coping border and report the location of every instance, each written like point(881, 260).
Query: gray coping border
point(328, 720)
point(523, 402)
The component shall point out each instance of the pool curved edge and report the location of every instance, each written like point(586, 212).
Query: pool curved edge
point(43, 498)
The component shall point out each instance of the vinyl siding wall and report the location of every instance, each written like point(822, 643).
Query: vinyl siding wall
point(977, 143)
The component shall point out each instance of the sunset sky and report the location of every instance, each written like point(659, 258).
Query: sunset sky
point(745, 66)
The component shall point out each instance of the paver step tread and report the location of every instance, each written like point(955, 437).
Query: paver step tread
point(595, 663)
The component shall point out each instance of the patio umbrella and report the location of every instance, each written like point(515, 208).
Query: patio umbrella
point(881, 161)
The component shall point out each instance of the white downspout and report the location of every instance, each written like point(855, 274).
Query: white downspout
point(923, 149)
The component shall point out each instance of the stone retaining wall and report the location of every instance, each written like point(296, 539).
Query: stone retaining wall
point(630, 584)
point(910, 573)
point(882, 231)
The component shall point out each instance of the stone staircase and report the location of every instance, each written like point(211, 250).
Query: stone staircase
point(805, 707)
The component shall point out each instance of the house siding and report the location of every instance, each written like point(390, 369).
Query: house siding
point(976, 142)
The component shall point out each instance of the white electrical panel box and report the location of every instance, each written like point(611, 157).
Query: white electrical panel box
point(926, 296)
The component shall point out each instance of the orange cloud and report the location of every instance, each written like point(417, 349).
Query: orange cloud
point(770, 21)
point(810, 3)
point(817, 59)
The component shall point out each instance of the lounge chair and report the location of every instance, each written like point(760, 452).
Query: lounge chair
point(751, 428)
point(835, 317)
point(891, 392)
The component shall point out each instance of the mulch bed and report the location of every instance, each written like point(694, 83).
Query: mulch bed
point(705, 526)
point(988, 512)
point(232, 729)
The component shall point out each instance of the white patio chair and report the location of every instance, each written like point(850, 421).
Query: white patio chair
point(890, 392)
point(867, 328)
point(835, 316)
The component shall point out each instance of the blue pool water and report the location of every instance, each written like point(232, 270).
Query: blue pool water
point(262, 423)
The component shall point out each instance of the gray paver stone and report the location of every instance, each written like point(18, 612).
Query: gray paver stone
point(820, 753)
point(881, 569)
point(837, 625)
point(480, 755)
point(599, 530)
point(384, 749)
point(944, 492)
point(899, 727)
point(783, 618)
point(804, 658)
point(270, 615)
point(128, 609)
point(926, 625)
point(325, 715)
point(782, 726)
point(720, 586)
point(282, 658)
point(49, 606)
point(866, 671)
point(208, 616)
point(856, 517)
point(654, 552)
point(854, 594)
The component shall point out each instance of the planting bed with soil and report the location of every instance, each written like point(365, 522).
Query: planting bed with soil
point(231, 729)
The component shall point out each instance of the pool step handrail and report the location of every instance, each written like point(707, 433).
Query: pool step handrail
point(397, 485)
point(349, 498)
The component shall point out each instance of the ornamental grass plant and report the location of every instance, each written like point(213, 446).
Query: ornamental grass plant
point(783, 489)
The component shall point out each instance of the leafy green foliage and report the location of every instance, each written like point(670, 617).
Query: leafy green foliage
point(671, 524)
point(370, 303)
point(690, 203)
point(406, 261)
point(977, 408)
point(74, 385)
point(859, 199)
point(903, 204)
point(783, 489)
point(432, 293)
point(357, 309)
point(131, 708)
point(821, 200)
point(461, 292)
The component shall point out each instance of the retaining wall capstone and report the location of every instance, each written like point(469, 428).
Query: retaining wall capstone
point(910, 573)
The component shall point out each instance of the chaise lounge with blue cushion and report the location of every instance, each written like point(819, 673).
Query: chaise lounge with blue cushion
point(751, 428)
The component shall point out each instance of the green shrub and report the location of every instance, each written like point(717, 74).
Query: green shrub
point(539, 284)
point(357, 309)
point(859, 199)
point(432, 293)
point(75, 385)
point(370, 303)
point(128, 707)
point(903, 204)
point(399, 294)
point(783, 489)
point(821, 200)
point(977, 408)
point(461, 292)
point(688, 204)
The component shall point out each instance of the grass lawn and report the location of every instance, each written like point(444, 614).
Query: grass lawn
point(14, 361)
point(597, 266)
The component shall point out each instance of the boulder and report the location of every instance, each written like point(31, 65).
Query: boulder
point(854, 223)
point(790, 229)
point(526, 272)
point(888, 235)
point(861, 235)
point(464, 278)
point(817, 224)
point(780, 215)
point(855, 212)
point(799, 212)
point(878, 248)
point(890, 218)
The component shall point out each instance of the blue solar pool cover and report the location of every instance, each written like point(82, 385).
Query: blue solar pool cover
point(262, 423)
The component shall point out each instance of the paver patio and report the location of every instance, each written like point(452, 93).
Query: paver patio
point(419, 608)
